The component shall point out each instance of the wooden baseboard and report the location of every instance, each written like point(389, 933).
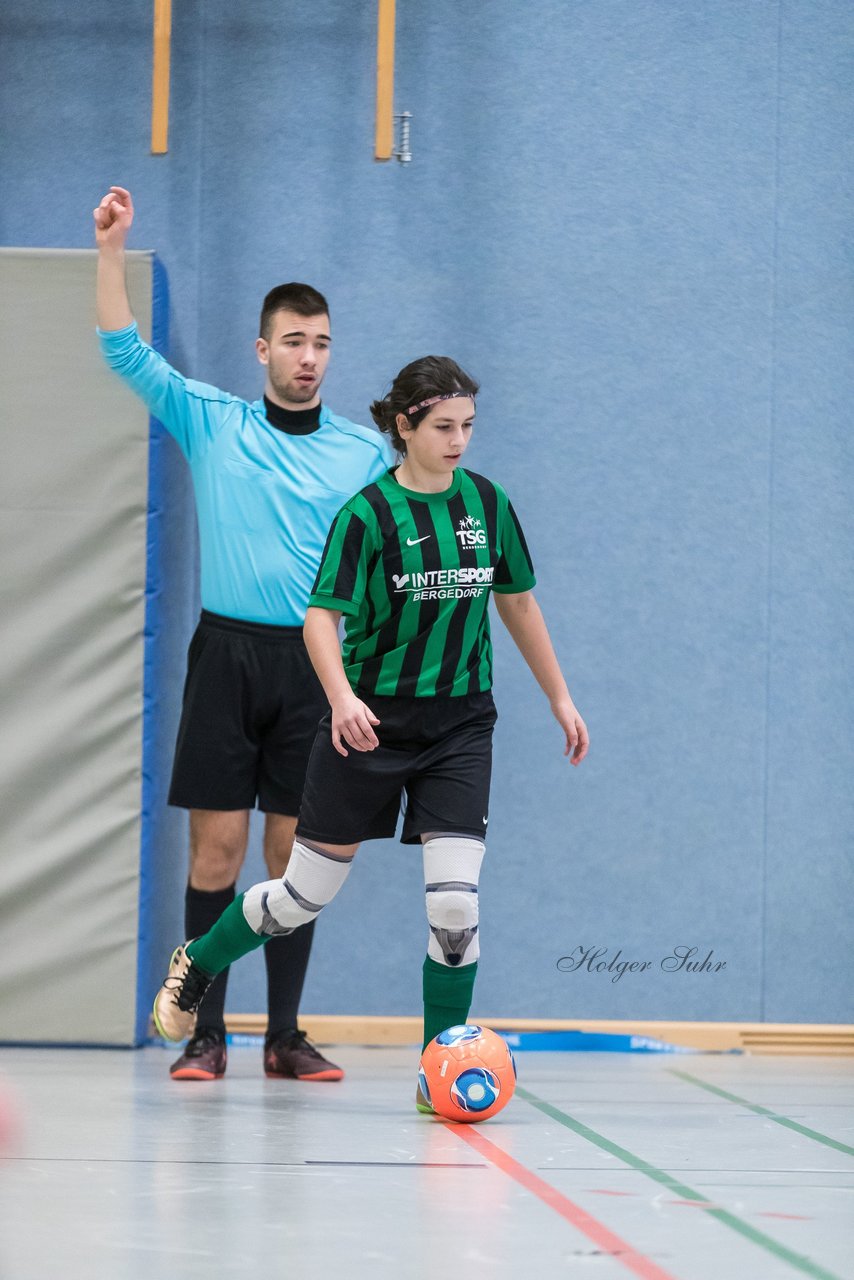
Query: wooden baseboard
point(753, 1037)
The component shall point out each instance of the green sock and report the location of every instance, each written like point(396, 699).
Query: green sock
point(447, 996)
point(228, 940)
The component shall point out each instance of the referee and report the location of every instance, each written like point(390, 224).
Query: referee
point(268, 479)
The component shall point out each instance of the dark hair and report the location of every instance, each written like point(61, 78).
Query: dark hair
point(300, 298)
point(421, 380)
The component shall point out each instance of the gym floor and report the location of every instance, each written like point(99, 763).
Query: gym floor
point(692, 1167)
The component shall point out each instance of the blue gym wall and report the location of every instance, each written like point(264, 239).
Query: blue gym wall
point(632, 220)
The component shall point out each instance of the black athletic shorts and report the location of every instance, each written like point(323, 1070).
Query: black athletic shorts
point(250, 713)
point(437, 750)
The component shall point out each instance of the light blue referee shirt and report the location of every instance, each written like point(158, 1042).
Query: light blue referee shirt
point(265, 499)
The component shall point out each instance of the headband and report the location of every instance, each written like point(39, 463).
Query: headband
point(451, 395)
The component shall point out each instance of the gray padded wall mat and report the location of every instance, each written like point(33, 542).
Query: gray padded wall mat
point(73, 489)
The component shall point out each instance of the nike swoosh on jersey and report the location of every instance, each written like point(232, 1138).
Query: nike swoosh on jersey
point(412, 542)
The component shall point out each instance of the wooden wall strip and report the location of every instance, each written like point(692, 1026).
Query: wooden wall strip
point(384, 143)
point(160, 77)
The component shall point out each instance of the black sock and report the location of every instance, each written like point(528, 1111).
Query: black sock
point(287, 960)
point(201, 912)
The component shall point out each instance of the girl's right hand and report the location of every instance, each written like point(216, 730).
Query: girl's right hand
point(352, 720)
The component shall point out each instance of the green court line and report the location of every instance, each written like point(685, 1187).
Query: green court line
point(796, 1260)
point(763, 1111)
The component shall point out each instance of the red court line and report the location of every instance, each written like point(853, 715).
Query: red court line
point(573, 1213)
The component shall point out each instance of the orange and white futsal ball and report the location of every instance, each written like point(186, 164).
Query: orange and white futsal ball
point(467, 1073)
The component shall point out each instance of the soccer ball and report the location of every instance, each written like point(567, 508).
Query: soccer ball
point(467, 1074)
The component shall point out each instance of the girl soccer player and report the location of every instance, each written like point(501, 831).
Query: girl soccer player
point(410, 562)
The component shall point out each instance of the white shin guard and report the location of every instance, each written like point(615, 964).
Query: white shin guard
point(451, 871)
point(312, 879)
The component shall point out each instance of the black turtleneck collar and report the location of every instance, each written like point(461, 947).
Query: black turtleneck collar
point(296, 422)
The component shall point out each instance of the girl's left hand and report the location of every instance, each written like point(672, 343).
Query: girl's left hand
point(577, 737)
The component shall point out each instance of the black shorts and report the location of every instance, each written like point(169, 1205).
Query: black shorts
point(250, 713)
point(437, 750)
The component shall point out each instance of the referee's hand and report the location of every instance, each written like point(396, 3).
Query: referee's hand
point(352, 720)
point(113, 218)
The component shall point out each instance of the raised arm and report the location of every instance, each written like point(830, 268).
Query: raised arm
point(192, 411)
point(522, 617)
point(351, 718)
point(113, 218)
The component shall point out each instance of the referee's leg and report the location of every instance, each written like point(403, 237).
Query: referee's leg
point(218, 841)
point(213, 778)
point(278, 842)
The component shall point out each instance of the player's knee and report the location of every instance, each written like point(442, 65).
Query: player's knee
point(274, 908)
point(313, 878)
point(451, 872)
point(452, 912)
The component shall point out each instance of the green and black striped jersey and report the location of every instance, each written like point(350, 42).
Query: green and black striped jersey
point(412, 572)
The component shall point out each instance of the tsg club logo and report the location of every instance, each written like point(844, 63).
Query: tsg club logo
point(470, 533)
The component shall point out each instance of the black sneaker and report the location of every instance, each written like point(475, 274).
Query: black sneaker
point(178, 1000)
point(290, 1055)
point(204, 1057)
